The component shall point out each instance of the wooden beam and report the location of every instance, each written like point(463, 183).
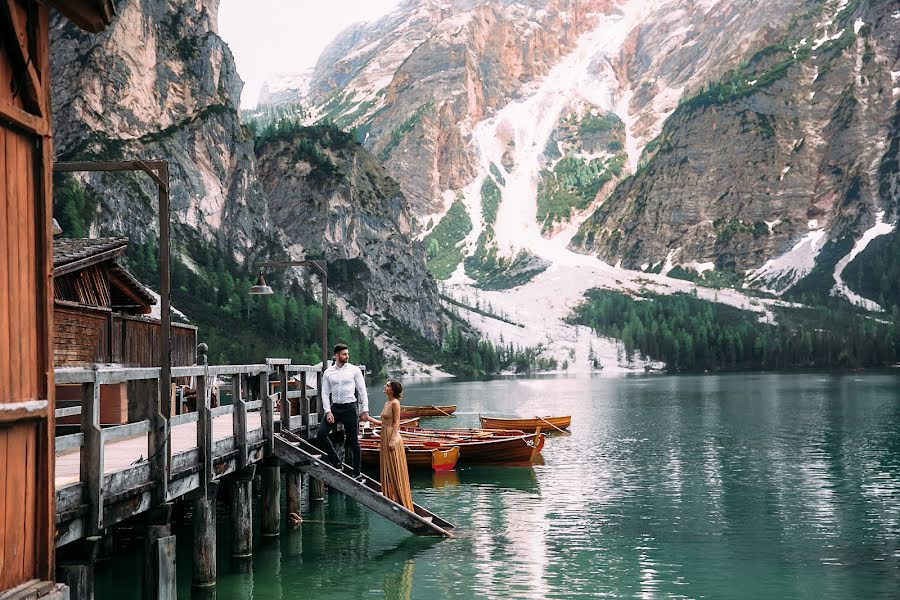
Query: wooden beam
point(285, 405)
point(271, 498)
point(204, 571)
point(92, 455)
point(242, 514)
point(204, 426)
point(16, 411)
point(267, 414)
point(239, 423)
point(17, 30)
point(21, 119)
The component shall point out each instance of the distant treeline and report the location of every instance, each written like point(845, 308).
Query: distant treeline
point(463, 352)
point(690, 334)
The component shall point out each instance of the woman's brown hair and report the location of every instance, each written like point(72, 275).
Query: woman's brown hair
point(396, 388)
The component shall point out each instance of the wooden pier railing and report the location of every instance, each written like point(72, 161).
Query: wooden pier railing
point(107, 474)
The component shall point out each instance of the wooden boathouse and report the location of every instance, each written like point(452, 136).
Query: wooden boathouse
point(27, 402)
point(61, 492)
point(102, 314)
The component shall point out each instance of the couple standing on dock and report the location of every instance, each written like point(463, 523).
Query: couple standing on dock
point(339, 383)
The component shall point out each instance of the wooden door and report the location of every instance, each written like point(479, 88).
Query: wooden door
point(27, 515)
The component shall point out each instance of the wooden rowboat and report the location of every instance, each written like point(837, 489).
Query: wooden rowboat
point(545, 423)
point(418, 455)
point(482, 447)
point(426, 411)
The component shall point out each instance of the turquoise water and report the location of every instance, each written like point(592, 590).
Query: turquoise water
point(736, 486)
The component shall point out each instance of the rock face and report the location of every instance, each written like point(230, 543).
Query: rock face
point(416, 81)
point(778, 158)
point(754, 130)
point(319, 179)
point(159, 83)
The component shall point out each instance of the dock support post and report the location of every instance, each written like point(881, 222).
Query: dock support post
point(242, 519)
point(271, 498)
point(75, 567)
point(204, 505)
point(293, 481)
point(316, 489)
point(159, 564)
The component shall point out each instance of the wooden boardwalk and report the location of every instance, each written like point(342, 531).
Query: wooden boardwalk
point(106, 475)
point(125, 453)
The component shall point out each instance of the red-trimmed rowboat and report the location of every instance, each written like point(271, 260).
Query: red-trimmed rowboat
point(418, 455)
point(481, 446)
point(545, 423)
point(426, 411)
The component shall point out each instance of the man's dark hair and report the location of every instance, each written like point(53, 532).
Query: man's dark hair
point(340, 348)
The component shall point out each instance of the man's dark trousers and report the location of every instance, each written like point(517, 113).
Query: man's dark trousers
point(346, 414)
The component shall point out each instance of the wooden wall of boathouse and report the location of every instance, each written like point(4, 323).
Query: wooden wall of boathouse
point(26, 392)
point(84, 335)
point(27, 503)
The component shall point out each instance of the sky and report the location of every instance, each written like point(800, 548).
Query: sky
point(268, 37)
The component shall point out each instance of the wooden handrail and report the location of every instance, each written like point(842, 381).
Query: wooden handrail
point(120, 432)
point(162, 477)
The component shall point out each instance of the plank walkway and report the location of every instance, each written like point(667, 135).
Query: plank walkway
point(121, 454)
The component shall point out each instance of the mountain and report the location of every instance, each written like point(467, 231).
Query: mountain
point(527, 114)
point(320, 179)
point(550, 147)
point(161, 83)
point(808, 120)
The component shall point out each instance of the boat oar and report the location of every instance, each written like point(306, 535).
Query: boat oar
point(437, 408)
point(552, 425)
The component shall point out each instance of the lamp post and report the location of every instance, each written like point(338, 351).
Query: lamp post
point(261, 289)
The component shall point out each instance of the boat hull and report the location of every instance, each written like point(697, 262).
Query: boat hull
point(418, 457)
point(407, 412)
point(481, 447)
point(526, 424)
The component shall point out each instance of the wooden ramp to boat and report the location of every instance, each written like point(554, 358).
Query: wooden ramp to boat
point(301, 454)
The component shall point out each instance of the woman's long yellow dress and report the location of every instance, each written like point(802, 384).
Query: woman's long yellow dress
point(394, 473)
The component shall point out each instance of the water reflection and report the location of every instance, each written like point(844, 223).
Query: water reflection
point(398, 585)
point(441, 479)
point(744, 487)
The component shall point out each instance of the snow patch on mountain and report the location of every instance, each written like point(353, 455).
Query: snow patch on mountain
point(780, 273)
point(539, 310)
point(881, 227)
point(584, 74)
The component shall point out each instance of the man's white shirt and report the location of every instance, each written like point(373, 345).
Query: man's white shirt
point(339, 383)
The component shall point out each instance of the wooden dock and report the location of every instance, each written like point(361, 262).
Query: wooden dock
point(107, 475)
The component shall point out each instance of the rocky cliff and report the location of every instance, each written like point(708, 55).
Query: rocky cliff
point(416, 82)
point(748, 128)
point(500, 107)
point(319, 179)
point(758, 171)
point(160, 83)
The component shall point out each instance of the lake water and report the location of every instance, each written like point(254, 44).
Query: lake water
point(733, 486)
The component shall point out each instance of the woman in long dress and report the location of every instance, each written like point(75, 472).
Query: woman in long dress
point(394, 473)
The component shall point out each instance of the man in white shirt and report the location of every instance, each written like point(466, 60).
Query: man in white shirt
point(339, 382)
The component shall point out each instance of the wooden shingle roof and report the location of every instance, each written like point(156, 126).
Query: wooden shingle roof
point(76, 253)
